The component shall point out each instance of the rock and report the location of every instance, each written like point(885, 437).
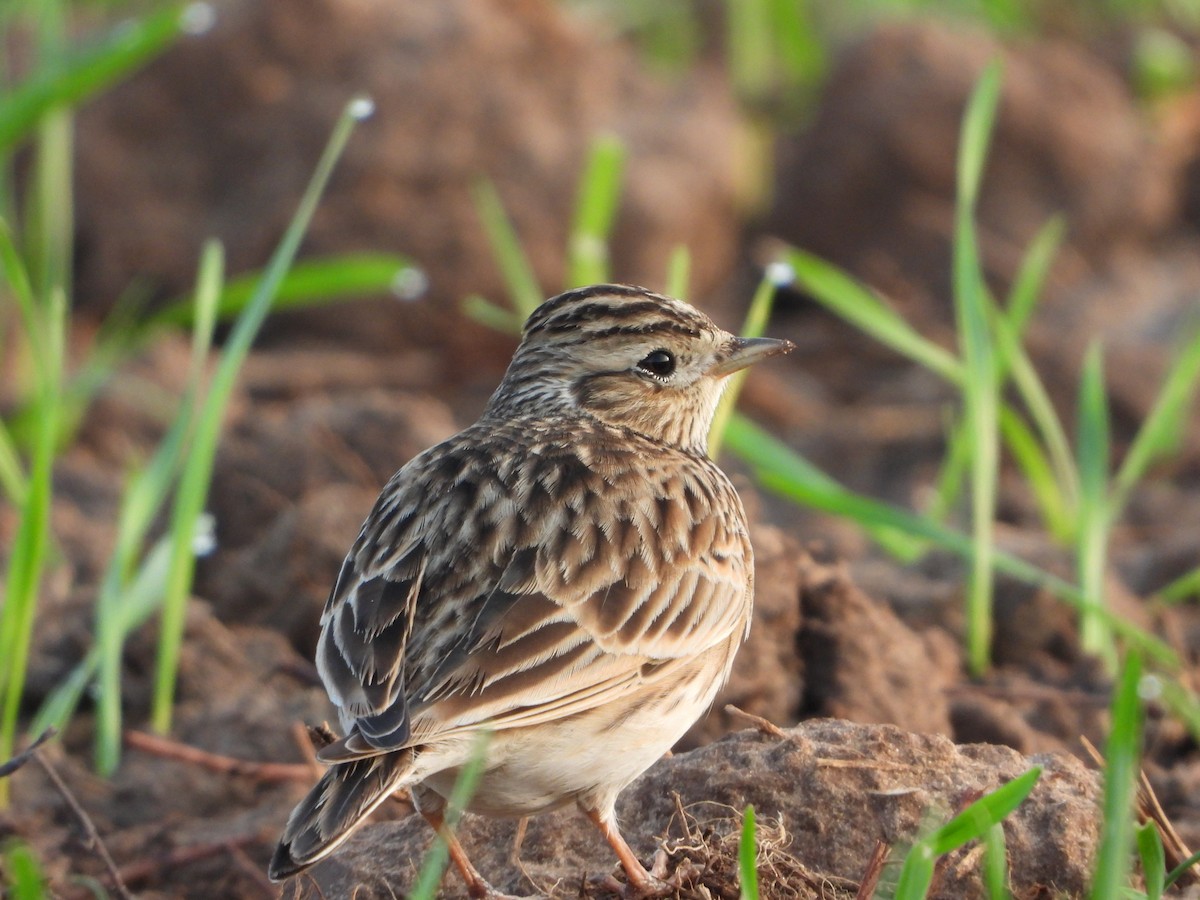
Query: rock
point(824, 794)
point(863, 663)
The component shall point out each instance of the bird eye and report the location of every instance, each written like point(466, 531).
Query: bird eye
point(659, 363)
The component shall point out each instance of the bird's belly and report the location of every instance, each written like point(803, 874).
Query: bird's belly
point(587, 757)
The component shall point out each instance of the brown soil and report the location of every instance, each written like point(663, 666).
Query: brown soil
point(863, 652)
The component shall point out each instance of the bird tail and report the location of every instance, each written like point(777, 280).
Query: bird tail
point(345, 795)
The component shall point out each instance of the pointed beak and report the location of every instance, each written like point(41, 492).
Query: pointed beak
point(744, 352)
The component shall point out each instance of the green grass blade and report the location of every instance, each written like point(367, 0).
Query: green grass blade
point(781, 470)
point(1120, 780)
point(489, 314)
point(753, 326)
point(1154, 860)
point(973, 823)
point(995, 864)
point(916, 875)
point(308, 283)
point(25, 878)
point(1159, 433)
point(787, 473)
point(523, 288)
point(140, 599)
point(1041, 410)
point(12, 473)
point(841, 294)
point(28, 552)
point(129, 46)
point(146, 495)
point(595, 212)
point(464, 788)
point(748, 857)
point(979, 388)
point(989, 810)
point(50, 222)
point(1039, 472)
point(679, 272)
point(1182, 588)
point(1180, 870)
point(1032, 273)
point(1094, 519)
point(194, 482)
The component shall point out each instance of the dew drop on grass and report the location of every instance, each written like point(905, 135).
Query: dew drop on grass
point(410, 283)
point(198, 18)
point(1150, 688)
point(780, 274)
point(204, 540)
point(362, 107)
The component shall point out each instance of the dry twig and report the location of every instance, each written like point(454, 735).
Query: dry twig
point(27, 754)
point(763, 725)
point(228, 765)
point(89, 827)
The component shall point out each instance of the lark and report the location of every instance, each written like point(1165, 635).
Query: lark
point(571, 574)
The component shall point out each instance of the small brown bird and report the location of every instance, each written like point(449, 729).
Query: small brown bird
point(571, 573)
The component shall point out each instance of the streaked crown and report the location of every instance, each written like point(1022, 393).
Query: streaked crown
point(629, 358)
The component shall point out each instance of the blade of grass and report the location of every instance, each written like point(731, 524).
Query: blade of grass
point(595, 212)
point(1180, 870)
point(140, 599)
point(518, 275)
point(781, 470)
point(754, 325)
point(12, 473)
point(1041, 410)
point(979, 388)
point(430, 875)
point(972, 823)
point(1094, 519)
point(1182, 588)
point(1039, 474)
point(1154, 860)
point(1032, 273)
point(995, 864)
point(1120, 780)
point(1021, 299)
point(1159, 433)
point(144, 498)
point(28, 552)
point(748, 857)
point(24, 873)
point(840, 293)
point(787, 473)
point(129, 46)
point(194, 482)
point(679, 272)
point(49, 213)
point(308, 283)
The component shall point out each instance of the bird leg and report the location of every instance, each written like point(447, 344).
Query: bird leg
point(641, 882)
point(477, 886)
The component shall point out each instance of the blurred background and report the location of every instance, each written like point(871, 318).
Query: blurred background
point(690, 144)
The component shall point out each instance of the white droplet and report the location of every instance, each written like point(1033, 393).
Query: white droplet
point(198, 18)
point(1150, 687)
point(204, 538)
point(780, 274)
point(410, 283)
point(362, 107)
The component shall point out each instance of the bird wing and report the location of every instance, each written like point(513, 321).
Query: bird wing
point(520, 591)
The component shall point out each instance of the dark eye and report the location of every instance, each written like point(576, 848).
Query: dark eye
point(659, 363)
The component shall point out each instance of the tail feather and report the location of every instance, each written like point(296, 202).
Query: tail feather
point(344, 796)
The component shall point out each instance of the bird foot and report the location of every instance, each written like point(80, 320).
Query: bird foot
point(653, 883)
